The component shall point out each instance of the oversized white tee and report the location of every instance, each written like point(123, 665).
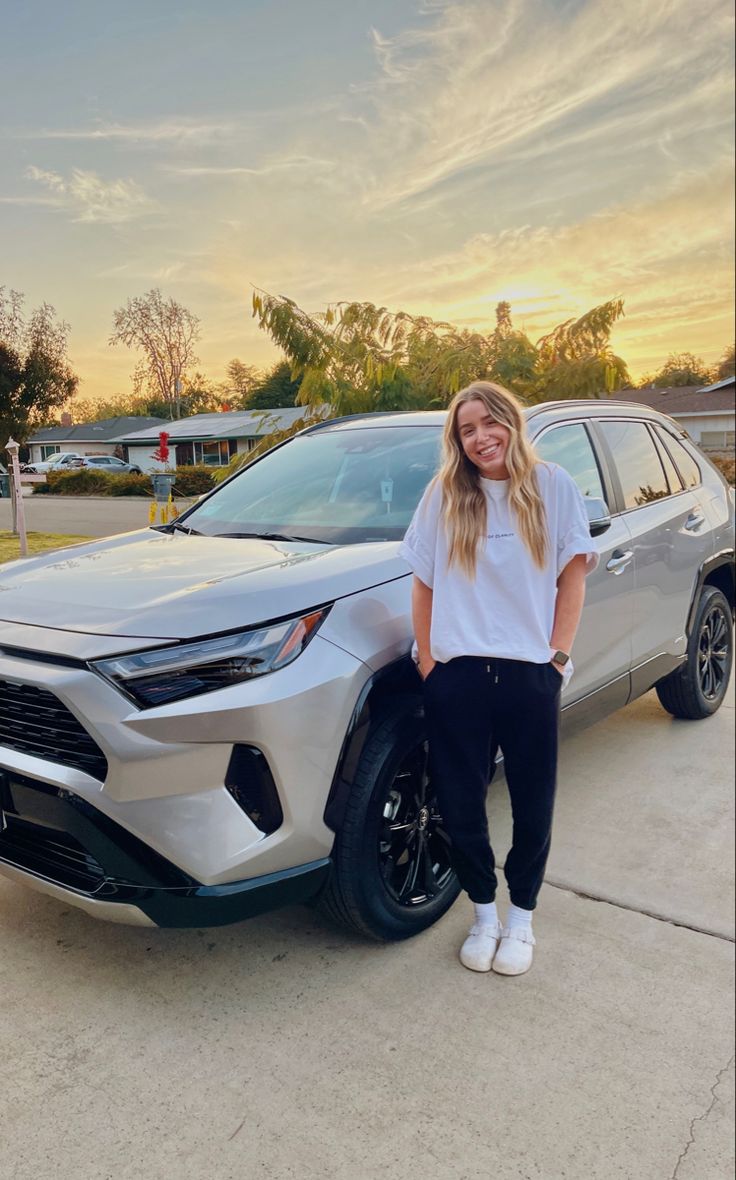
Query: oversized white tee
point(507, 610)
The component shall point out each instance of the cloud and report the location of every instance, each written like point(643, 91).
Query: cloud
point(481, 84)
point(90, 199)
point(673, 270)
point(284, 164)
point(181, 131)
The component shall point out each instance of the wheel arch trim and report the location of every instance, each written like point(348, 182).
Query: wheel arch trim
point(396, 682)
point(724, 559)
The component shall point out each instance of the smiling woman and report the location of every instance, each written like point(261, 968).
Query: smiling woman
point(499, 548)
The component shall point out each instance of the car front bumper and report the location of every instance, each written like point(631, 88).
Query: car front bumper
point(160, 838)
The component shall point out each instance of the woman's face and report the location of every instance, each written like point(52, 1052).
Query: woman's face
point(484, 441)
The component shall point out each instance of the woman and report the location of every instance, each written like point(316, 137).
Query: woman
point(499, 547)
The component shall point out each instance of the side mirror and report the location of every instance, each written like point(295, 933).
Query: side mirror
point(599, 518)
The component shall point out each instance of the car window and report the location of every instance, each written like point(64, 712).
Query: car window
point(687, 466)
point(335, 485)
point(640, 470)
point(673, 477)
point(570, 446)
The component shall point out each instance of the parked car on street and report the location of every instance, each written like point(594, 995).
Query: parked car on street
point(210, 718)
point(110, 463)
point(61, 461)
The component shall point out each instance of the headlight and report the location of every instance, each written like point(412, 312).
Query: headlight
point(172, 673)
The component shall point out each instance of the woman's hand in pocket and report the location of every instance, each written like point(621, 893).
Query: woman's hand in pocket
point(425, 666)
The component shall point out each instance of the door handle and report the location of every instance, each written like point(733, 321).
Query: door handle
point(694, 521)
point(619, 561)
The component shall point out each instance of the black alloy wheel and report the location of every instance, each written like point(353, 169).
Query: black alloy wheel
point(696, 690)
point(392, 875)
point(413, 847)
point(714, 652)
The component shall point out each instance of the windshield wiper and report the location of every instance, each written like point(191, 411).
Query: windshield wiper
point(184, 528)
point(276, 537)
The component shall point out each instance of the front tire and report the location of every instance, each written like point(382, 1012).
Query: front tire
point(696, 690)
point(392, 875)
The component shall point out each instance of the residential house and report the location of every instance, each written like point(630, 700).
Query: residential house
point(707, 413)
point(88, 438)
point(210, 439)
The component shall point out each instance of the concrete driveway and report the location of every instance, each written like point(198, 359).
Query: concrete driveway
point(283, 1047)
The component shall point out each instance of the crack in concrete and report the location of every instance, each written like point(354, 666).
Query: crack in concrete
point(701, 1118)
point(621, 905)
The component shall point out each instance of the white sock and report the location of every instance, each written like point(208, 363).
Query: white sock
point(486, 913)
point(519, 917)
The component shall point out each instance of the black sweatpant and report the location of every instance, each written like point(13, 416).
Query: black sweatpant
point(473, 705)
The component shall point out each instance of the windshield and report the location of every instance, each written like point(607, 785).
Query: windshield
point(340, 486)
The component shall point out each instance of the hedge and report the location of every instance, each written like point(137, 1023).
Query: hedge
point(726, 465)
point(87, 481)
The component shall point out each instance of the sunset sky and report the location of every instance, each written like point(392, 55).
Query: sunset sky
point(428, 156)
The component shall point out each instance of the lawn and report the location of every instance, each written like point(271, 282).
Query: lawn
point(37, 542)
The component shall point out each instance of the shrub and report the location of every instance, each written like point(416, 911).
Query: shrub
point(726, 464)
point(193, 481)
point(87, 481)
point(83, 481)
point(128, 485)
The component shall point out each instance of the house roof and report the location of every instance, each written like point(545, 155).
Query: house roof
point(227, 424)
point(684, 399)
point(108, 430)
point(724, 384)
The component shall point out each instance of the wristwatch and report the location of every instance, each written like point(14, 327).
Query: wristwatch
point(561, 658)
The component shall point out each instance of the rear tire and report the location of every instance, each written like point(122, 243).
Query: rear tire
point(391, 873)
point(696, 690)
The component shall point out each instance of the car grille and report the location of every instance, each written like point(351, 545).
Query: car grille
point(34, 721)
point(51, 854)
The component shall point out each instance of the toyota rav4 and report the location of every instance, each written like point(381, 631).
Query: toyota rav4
point(205, 720)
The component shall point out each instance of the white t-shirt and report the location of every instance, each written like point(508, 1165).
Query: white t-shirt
point(507, 610)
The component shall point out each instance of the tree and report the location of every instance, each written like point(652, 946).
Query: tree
point(359, 357)
point(576, 360)
point(35, 374)
point(121, 406)
point(165, 332)
point(276, 390)
point(199, 395)
point(726, 366)
point(681, 368)
point(241, 380)
point(514, 355)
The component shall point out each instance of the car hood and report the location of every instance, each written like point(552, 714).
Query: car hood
point(175, 586)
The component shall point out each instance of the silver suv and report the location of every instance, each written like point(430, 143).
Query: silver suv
point(203, 721)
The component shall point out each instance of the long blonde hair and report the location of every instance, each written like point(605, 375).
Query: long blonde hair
point(464, 504)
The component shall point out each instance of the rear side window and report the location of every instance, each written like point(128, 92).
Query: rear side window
point(640, 470)
point(673, 478)
point(570, 446)
point(687, 466)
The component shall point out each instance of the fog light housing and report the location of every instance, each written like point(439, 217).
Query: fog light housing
point(250, 782)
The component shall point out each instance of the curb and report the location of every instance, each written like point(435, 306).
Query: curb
point(106, 499)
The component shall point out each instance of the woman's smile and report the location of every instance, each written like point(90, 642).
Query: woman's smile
point(484, 441)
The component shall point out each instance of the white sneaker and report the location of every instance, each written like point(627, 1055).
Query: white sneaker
point(515, 952)
point(480, 946)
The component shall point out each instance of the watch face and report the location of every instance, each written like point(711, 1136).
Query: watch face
point(560, 657)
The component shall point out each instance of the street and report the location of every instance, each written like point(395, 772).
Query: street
point(283, 1047)
point(84, 516)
